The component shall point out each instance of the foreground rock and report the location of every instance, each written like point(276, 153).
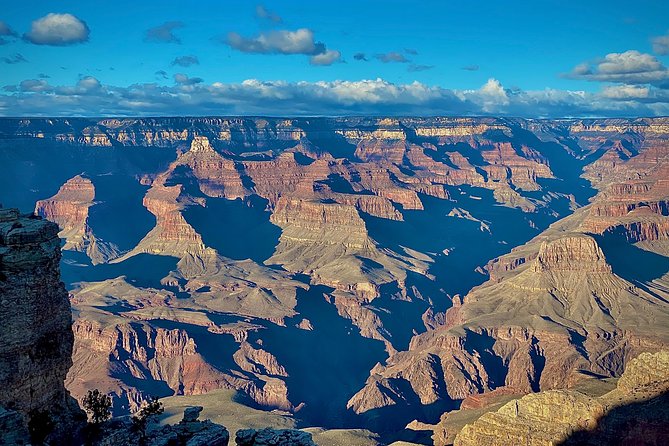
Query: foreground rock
point(273, 437)
point(637, 409)
point(189, 431)
point(36, 337)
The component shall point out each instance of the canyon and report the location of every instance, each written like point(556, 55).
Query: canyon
point(351, 273)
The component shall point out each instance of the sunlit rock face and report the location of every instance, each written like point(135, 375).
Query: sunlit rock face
point(636, 410)
point(354, 271)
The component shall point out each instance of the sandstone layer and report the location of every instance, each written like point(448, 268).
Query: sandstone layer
point(636, 411)
point(36, 338)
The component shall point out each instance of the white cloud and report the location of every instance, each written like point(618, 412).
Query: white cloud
point(661, 44)
point(326, 58)
point(58, 30)
point(35, 86)
point(300, 41)
point(630, 67)
point(626, 92)
point(493, 95)
point(89, 83)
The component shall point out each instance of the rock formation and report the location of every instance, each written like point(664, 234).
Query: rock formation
point(69, 208)
point(637, 410)
point(36, 337)
point(267, 436)
point(189, 431)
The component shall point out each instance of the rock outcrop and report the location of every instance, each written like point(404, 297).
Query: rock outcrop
point(36, 336)
point(278, 437)
point(69, 208)
point(189, 431)
point(636, 411)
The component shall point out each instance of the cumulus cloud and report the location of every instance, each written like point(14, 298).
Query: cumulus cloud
point(493, 95)
point(164, 33)
point(392, 56)
point(661, 44)
point(185, 61)
point(88, 84)
point(326, 58)
point(34, 86)
point(58, 30)
point(161, 74)
point(415, 68)
point(5, 31)
point(626, 92)
point(630, 67)
point(183, 79)
point(472, 67)
point(264, 13)
point(194, 97)
point(14, 59)
point(300, 41)
point(360, 56)
point(411, 51)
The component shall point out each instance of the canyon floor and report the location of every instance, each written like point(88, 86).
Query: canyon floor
point(371, 280)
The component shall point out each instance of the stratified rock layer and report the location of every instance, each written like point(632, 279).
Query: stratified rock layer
point(36, 336)
point(635, 413)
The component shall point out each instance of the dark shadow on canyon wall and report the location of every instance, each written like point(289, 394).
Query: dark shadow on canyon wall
point(327, 365)
point(645, 422)
point(238, 229)
point(118, 202)
point(31, 169)
point(142, 270)
point(631, 262)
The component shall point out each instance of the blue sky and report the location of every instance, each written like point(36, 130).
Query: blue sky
point(542, 58)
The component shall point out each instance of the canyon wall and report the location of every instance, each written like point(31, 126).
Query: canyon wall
point(36, 337)
point(415, 263)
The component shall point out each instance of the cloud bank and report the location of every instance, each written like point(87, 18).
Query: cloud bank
point(192, 96)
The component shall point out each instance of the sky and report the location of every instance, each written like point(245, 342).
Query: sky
point(545, 58)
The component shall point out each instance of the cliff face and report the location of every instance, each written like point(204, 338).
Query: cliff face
point(69, 208)
point(36, 337)
point(635, 411)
